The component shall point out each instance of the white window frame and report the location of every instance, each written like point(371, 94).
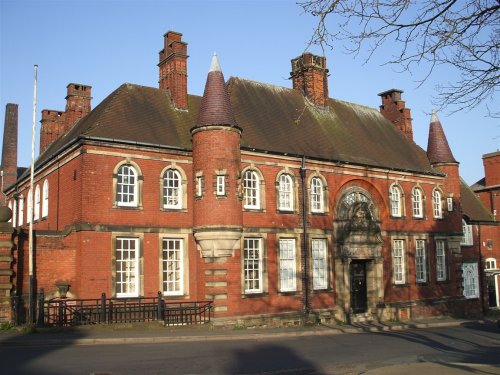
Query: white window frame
point(467, 237)
point(29, 213)
point(21, 210)
point(36, 212)
point(132, 187)
point(396, 198)
point(199, 186)
point(420, 261)
point(10, 206)
point(172, 189)
point(440, 260)
point(173, 266)
point(14, 213)
point(252, 265)
point(470, 277)
point(127, 277)
point(251, 190)
point(285, 192)
point(221, 185)
point(319, 263)
point(398, 261)
point(317, 201)
point(437, 205)
point(490, 264)
point(417, 203)
point(288, 265)
point(45, 199)
point(449, 203)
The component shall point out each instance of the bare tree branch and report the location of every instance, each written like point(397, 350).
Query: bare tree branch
point(462, 34)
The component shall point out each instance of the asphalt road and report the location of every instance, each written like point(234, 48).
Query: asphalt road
point(476, 345)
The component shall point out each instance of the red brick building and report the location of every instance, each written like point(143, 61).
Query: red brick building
point(488, 232)
point(270, 201)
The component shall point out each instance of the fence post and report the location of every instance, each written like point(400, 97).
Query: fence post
point(103, 307)
point(110, 312)
point(160, 306)
point(40, 321)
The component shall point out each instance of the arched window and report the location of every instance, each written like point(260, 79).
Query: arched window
point(437, 206)
point(45, 199)
point(21, 210)
point(317, 202)
point(396, 205)
point(127, 186)
point(417, 203)
point(285, 192)
point(251, 190)
point(36, 212)
point(172, 189)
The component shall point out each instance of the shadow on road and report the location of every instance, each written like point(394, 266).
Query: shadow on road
point(16, 359)
point(276, 359)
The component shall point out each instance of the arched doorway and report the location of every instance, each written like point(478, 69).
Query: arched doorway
point(358, 257)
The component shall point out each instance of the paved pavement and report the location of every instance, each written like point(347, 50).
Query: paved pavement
point(147, 333)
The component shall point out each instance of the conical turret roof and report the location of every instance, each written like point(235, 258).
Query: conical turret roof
point(215, 106)
point(438, 149)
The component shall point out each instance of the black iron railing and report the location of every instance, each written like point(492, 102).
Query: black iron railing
point(73, 312)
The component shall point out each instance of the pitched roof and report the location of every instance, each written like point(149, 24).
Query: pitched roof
point(472, 206)
point(281, 120)
point(273, 119)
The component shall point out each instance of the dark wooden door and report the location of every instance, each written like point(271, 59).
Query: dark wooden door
point(492, 291)
point(358, 286)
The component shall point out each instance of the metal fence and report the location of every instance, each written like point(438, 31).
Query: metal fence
point(73, 312)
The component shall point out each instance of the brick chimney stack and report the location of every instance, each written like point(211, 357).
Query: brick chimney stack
point(310, 76)
point(9, 150)
point(55, 123)
point(173, 68)
point(77, 103)
point(394, 109)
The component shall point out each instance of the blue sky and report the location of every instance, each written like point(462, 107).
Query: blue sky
point(106, 43)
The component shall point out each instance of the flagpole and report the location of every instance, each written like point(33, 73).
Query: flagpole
point(31, 310)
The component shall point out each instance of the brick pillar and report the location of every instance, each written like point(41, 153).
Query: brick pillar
point(6, 265)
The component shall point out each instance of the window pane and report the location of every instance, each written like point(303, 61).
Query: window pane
point(127, 260)
point(319, 266)
point(398, 262)
point(251, 190)
point(395, 201)
point(417, 203)
point(172, 189)
point(173, 267)
point(440, 261)
point(252, 265)
point(126, 186)
point(316, 195)
point(470, 280)
point(420, 261)
point(287, 265)
point(285, 193)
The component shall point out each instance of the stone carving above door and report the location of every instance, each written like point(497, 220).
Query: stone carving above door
point(357, 227)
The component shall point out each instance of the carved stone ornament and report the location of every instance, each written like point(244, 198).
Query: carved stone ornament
point(358, 231)
point(217, 243)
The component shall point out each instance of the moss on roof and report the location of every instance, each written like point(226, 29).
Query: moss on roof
point(273, 119)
